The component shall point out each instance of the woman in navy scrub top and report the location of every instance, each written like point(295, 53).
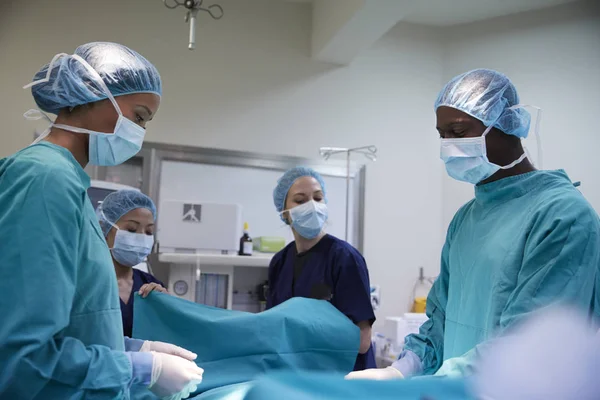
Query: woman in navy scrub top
point(127, 219)
point(317, 265)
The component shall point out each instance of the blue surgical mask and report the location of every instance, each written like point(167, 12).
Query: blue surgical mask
point(308, 218)
point(130, 249)
point(105, 149)
point(466, 158)
point(109, 149)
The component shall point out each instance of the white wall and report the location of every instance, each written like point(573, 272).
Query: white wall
point(553, 57)
point(250, 85)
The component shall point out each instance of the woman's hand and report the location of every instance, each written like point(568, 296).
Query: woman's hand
point(148, 287)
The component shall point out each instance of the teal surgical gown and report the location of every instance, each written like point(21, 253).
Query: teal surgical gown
point(61, 335)
point(523, 243)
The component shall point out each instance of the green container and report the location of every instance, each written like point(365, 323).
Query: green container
point(268, 244)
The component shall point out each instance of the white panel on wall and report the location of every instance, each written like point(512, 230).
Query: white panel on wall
point(252, 188)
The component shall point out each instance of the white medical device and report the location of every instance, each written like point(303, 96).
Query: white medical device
point(194, 226)
point(396, 328)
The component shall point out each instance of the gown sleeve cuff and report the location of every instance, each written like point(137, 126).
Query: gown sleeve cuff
point(133, 344)
point(409, 364)
point(141, 367)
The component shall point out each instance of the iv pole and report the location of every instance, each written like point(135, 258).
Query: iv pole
point(193, 6)
point(369, 152)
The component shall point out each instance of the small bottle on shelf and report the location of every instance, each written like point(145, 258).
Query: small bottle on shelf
point(245, 242)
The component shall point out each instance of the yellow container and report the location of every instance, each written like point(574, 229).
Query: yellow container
point(419, 305)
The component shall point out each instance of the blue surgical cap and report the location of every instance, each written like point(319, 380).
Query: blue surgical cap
point(486, 95)
point(119, 203)
point(71, 84)
point(287, 180)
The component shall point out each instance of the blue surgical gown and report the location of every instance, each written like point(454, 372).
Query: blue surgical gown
point(332, 270)
point(60, 327)
point(524, 242)
point(140, 278)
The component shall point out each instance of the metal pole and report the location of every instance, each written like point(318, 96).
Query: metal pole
point(367, 151)
point(193, 14)
point(347, 191)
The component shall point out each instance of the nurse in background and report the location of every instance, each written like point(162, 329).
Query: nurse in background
point(127, 220)
point(318, 265)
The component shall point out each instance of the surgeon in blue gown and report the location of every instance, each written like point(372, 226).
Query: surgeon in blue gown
point(318, 265)
point(528, 239)
point(127, 220)
point(60, 326)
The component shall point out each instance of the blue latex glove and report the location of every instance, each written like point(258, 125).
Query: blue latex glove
point(141, 366)
point(133, 344)
point(409, 364)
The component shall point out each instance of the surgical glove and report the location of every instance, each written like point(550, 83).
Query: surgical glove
point(167, 348)
point(376, 374)
point(173, 377)
point(149, 287)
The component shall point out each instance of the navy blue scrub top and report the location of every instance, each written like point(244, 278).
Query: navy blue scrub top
point(332, 270)
point(140, 278)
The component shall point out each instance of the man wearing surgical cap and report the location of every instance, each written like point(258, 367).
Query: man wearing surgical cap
point(528, 240)
point(61, 335)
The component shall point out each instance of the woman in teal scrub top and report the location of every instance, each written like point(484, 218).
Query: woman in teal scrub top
point(60, 332)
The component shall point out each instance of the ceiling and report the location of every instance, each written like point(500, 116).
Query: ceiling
point(342, 29)
point(453, 12)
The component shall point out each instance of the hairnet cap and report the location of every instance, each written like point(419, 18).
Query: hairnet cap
point(486, 95)
point(71, 84)
point(119, 203)
point(287, 180)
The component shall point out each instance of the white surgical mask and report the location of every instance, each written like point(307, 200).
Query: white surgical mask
point(466, 158)
point(308, 218)
point(105, 149)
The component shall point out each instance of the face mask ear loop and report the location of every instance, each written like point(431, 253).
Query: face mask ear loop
point(289, 210)
point(35, 115)
point(538, 139)
point(101, 212)
point(487, 130)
